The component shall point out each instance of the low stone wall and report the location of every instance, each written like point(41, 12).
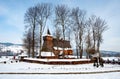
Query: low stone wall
point(58, 62)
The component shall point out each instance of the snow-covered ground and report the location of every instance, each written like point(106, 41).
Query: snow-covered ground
point(111, 58)
point(23, 67)
point(11, 66)
point(42, 71)
point(115, 75)
point(53, 60)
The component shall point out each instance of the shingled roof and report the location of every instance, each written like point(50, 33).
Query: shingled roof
point(61, 43)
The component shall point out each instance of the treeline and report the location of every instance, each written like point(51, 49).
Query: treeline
point(68, 22)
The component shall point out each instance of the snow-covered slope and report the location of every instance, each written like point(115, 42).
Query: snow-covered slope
point(10, 47)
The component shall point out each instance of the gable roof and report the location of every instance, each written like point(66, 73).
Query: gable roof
point(61, 43)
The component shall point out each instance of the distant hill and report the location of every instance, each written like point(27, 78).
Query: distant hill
point(9, 44)
point(6, 44)
point(103, 53)
point(110, 53)
point(9, 49)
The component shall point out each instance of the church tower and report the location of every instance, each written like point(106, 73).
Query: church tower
point(48, 42)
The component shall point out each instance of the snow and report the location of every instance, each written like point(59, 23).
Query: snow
point(47, 60)
point(12, 48)
point(71, 56)
point(23, 54)
point(48, 35)
point(42, 71)
point(62, 76)
point(23, 67)
point(95, 55)
point(59, 48)
point(5, 58)
point(111, 58)
point(47, 54)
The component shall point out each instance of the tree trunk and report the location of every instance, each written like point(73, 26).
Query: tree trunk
point(63, 40)
point(33, 42)
point(40, 44)
point(94, 40)
point(80, 47)
point(77, 51)
point(29, 51)
point(81, 51)
point(98, 47)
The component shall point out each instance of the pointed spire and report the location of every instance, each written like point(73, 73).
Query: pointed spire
point(48, 32)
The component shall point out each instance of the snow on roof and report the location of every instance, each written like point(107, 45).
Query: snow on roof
point(70, 56)
point(47, 54)
point(59, 48)
point(48, 35)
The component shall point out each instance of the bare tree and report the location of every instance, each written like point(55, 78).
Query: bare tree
point(98, 26)
point(43, 13)
point(92, 21)
point(27, 42)
point(57, 33)
point(78, 17)
point(30, 20)
point(88, 37)
point(76, 40)
point(68, 32)
point(101, 26)
point(62, 19)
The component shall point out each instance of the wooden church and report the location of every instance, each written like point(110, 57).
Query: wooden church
point(56, 48)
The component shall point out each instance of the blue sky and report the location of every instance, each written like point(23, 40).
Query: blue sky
point(12, 18)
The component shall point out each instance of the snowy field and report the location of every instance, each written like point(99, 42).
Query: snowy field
point(40, 71)
point(23, 67)
point(115, 75)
